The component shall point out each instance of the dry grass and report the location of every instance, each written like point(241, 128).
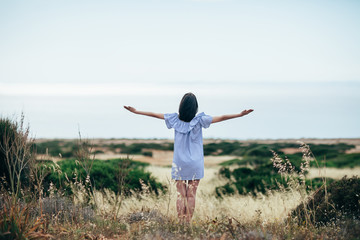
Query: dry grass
point(148, 216)
point(271, 208)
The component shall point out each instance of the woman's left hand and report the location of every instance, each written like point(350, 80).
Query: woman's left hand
point(131, 109)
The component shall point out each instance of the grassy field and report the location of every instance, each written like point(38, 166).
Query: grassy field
point(86, 209)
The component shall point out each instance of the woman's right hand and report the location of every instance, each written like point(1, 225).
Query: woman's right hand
point(246, 112)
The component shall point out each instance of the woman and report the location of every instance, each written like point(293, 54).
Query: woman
point(188, 160)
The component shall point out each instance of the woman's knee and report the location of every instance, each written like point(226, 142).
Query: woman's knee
point(181, 188)
point(192, 187)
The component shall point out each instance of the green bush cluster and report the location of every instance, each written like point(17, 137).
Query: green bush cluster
point(338, 201)
point(55, 148)
point(329, 155)
point(262, 176)
point(67, 149)
point(244, 180)
point(119, 175)
point(260, 179)
point(137, 148)
point(226, 148)
point(329, 151)
point(237, 148)
point(250, 153)
point(343, 160)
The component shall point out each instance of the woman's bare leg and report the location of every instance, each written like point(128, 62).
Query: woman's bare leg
point(190, 198)
point(181, 199)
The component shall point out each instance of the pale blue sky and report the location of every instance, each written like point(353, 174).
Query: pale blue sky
point(283, 58)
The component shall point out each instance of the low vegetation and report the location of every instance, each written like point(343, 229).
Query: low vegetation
point(118, 175)
point(338, 202)
point(258, 195)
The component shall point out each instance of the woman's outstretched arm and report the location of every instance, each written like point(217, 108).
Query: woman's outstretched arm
point(150, 114)
point(230, 116)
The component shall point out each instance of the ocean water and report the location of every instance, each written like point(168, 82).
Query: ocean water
point(282, 110)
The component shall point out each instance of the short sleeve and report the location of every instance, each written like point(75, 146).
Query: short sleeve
point(171, 119)
point(205, 121)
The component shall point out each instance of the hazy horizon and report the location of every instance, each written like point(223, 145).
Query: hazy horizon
point(299, 111)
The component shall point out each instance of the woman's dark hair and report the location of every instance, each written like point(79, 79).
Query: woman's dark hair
point(188, 107)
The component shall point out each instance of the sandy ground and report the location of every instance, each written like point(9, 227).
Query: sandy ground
point(164, 158)
point(335, 173)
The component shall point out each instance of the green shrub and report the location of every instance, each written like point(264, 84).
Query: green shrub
point(316, 183)
point(264, 176)
point(226, 189)
point(329, 150)
point(236, 148)
point(338, 201)
point(16, 154)
point(98, 152)
point(234, 161)
point(7, 133)
point(253, 161)
point(137, 148)
point(344, 160)
point(221, 148)
point(259, 151)
point(105, 174)
point(147, 154)
point(245, 180)
point(241, 173)
point(55, 148)
point(225, 172)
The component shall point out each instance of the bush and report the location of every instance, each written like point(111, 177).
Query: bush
point(55, 148)
point(7, 133)
point(344, 160)
point(340, 200)
point(147, 154)
point(329, 151)
point(253, 161)
point(259, 151)
point(137, 148)
point(245, 180)
point(118, 175)
point(318, 182)
point(227, 189)
point(16, 154)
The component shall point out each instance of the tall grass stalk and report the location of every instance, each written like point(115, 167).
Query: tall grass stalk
point(85, 158)
point(286, 169)
point(123, 172)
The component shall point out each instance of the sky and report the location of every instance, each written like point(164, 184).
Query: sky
point(71, 65)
